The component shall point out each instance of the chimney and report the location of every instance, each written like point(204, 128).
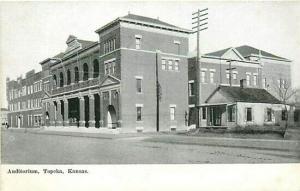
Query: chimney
point(242, 83)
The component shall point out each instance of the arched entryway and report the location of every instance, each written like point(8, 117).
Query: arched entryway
point(111, 117)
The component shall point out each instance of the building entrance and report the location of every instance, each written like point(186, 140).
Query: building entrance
point(111, 117)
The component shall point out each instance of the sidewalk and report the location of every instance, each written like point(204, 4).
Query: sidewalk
point(282, 145)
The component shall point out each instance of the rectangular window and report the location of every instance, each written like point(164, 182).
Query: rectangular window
point(212, 76)
point(170, 65)
point(176, 65)
point(203, 76)
point(139, 113)
point(191, 88)
point(231, 113)
point(249, 114)
point(227, 74)
point(204, 113)
point(269, 114)
point(137, 42)
point(163, 64)
point(172, 113)
point(234, 76)
point(254, 80)
point(248, 79)
point(284, 115)
point(139, 85)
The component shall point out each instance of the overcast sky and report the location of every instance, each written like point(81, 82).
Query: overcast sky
point(33, 31)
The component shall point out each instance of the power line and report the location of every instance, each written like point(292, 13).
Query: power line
point(199, 17)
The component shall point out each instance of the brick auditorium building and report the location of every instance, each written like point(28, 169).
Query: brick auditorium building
point(133, 79)
point(139, 77)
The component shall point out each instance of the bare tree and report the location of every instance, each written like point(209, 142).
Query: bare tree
point(285, 93)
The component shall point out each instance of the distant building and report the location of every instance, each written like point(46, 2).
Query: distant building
point(24, 100)
point(3, 115)
point(227, 67)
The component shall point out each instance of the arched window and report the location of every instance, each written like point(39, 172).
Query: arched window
point(61, 79)
point(96, 68)
point(54, 80)
point(68, 77)
point(76, 71)
point(85, 72)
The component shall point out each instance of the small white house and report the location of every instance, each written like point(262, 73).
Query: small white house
point(238, 106)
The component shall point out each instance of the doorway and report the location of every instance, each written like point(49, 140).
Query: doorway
point(111, 117)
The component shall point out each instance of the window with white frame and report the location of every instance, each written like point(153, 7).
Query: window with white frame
point(176, 65)
point(234, 75)
point(138, 41)
point(138, 84)
point(110, 66)
point(191, 88)
point(249, 116)
point(212, 77)
point(138, 113)
point(170, 65)
point(269, 114)
point(227, 74)
point(254, 80)
point(248, 79)
point(163, 64)
point(172, 113)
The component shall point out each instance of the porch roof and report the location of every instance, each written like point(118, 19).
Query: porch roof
point(238, 94)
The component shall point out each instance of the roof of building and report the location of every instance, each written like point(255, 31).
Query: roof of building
point(218, 53)
point(251, 95)
point(145, 21)
point(245, 51)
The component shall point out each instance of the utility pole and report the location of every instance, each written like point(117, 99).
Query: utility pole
point(199, 20)
point(230, 72)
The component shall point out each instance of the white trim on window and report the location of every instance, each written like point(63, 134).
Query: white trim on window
point(138, 36)
point(139, 105)
point(138, 77)
point(176, 42)
point(172, 105)
point(110, 60)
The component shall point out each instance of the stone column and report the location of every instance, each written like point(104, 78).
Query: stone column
point(92, 121)
point(58, 113)
point(43, 114)
point(119, 110)
point(101, 123)
point(82, 111)
point(66, 112)
point(52, 113)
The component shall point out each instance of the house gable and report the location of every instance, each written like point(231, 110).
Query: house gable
point(232, 54)
point(218, 97)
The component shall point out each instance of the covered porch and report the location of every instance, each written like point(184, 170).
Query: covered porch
point(219, 115)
